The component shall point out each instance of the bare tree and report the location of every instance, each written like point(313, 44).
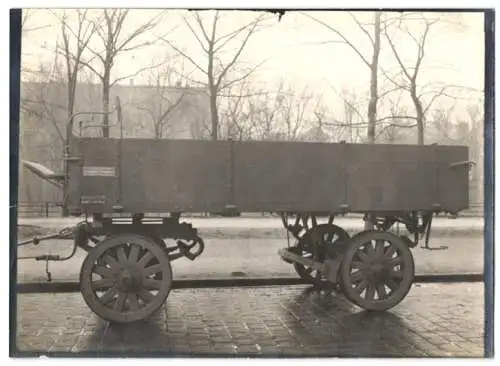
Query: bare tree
point(410, 73)
point(114, 41)
point(295, 110)
point(219, 66)
point(75, 40)
point(165, 100)
point(280, 114)
point(27, 14)
point(39, 106)
point(236, 115)
point(373, 33)
point(73, 56)
point(393, 125)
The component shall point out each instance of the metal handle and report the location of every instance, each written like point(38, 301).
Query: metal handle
point(468, 163)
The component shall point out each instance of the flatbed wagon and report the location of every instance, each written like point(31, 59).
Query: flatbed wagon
point(132, 193)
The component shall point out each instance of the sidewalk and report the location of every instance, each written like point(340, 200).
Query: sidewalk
point(273, 227)
point(433, 320)
point(253, 258)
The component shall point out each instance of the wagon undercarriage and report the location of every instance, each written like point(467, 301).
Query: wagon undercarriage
point(127, 273)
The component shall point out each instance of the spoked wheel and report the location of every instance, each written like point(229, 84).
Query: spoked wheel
point(328, 236)
point(126, 278)
point(377, 271)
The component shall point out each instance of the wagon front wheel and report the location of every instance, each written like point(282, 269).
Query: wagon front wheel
point(126, 278)
point(377, 271)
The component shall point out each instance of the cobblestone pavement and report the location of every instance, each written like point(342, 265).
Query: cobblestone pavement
point(256, 258)
point(434, 320)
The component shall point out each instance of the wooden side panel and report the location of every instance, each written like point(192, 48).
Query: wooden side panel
point(166, 175)
point(281, 176)
point(391, 178)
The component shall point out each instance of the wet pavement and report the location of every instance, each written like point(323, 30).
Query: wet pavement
point(438, 320)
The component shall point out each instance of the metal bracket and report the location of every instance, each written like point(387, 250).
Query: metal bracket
point(330, 268)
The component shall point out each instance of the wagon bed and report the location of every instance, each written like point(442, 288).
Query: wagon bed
point(141, 175)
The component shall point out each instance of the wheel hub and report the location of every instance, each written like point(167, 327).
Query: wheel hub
point(375, 272)
point(129, 280)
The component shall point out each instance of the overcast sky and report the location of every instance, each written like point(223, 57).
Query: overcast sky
point(454, 53)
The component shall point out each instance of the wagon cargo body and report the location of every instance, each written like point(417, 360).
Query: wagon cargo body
point(139, 175)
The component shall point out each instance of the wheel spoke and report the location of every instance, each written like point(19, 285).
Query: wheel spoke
point(108, 296)
point(152, 270)
point(381, 291)
point(120, 301)
point(146, 296)
point(132, 302)
point(134, 254)
point(357, 277)
point(397, 274)
point(110, 261)
point(151, 284)
point(121, 256)
point(389, 252)
point(359, 289)
point(394, 262)
point(362, 255)
point(370, 251)
point(102, 271)
point(392, 284)
point(145, 259)
point(370, 293)
point(379, 248)
point(102, 284)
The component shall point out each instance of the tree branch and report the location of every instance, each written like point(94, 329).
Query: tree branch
point(362, 28)
point(185, 55)
point(341, 36)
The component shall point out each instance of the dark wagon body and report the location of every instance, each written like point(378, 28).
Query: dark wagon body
point(127, 274)
point(158, 176)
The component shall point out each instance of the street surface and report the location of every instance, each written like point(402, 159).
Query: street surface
point(224, 258)
point(444, 320)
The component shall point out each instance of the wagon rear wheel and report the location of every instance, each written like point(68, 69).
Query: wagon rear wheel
point(377, 271)
point(329, 236)
point(126, 278)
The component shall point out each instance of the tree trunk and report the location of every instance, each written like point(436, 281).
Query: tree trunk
point(66, 152)
point(213, 113)
point(105, 103)
point(420, 113)
point(372, 106)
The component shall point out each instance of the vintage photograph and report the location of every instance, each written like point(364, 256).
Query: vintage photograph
point(252, 183)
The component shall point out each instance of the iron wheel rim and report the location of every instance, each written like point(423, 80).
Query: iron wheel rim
point(377, 271)
point(126, 278)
